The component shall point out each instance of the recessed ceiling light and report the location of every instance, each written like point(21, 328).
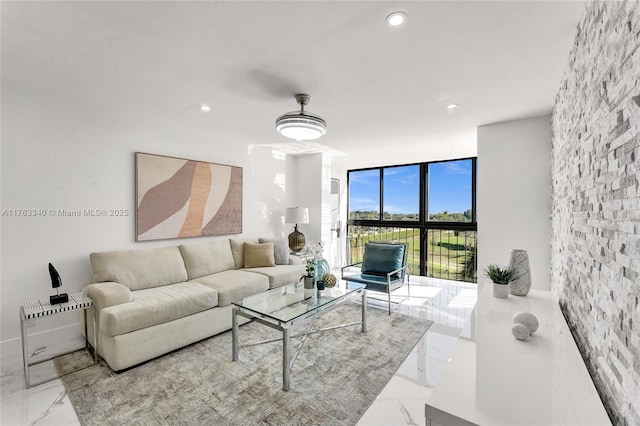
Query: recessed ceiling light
point(396, 18)
point(205, 108)
point(452, 106)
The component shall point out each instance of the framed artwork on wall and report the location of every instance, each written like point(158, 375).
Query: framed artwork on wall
point(178, 198)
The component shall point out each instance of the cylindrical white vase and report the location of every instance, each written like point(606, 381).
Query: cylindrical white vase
point(519, 262)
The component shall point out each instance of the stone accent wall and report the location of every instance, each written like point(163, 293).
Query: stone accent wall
point(596, 201)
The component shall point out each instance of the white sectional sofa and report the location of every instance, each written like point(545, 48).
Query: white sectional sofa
point(152, 301)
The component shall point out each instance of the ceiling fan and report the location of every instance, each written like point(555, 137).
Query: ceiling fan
point(301, 125)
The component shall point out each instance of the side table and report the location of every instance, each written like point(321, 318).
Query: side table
point(42, 309)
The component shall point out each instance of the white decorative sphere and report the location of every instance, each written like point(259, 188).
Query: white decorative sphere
point(526, 318)
point(520, 331)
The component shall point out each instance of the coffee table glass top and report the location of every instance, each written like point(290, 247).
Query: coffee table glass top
point(292, 301)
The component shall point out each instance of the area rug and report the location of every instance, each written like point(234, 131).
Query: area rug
point(336, 377)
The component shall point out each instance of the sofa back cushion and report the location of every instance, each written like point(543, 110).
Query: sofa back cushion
point(381, 258)
point(237, 248)
point(139, 269)
point(280, 249)
point(208, 257)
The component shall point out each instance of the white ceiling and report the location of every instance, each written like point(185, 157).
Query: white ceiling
point(383, 91)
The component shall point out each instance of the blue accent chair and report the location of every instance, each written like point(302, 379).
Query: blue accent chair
point(383, 268)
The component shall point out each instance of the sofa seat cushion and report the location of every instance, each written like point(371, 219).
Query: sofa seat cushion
point(280, 275)
point(154, 306)
point(233, 286)
point(373, 282)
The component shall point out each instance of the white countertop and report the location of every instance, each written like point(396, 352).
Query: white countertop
point(498, 380)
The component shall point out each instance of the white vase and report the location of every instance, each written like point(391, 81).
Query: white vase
point(519, 262)
point(501, 291)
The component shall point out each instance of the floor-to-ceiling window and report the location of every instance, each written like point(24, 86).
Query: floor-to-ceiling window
point(430, 206)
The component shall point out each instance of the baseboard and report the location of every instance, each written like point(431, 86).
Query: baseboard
point(65, 336)
point(10, 347)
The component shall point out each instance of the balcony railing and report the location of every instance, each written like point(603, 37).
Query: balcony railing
point(360, 235)
point(450, 253)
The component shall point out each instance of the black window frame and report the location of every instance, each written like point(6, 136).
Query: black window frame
point(422, 223)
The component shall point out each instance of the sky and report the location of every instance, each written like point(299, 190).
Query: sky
point(449, 188)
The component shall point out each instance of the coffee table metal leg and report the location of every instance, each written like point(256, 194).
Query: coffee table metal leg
point(364, 311)
point(234, 334)
point(286, 364)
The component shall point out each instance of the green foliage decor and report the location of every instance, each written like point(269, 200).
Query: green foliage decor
point(310, 269)
point(499, 274)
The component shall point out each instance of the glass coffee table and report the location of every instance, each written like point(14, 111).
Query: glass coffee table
point(289, 307)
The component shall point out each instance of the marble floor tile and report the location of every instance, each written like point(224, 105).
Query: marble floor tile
point(449, 304)
point(45, 404)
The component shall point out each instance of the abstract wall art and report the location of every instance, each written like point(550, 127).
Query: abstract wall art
point(177, 198)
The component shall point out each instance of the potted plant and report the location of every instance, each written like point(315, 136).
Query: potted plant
point(321, 264)
point(309, 277)
point(500, 276)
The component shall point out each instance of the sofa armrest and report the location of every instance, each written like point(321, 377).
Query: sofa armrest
point(103, 295)
point(107, 294)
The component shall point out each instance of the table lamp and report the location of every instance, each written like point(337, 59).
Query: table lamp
point(296, 215)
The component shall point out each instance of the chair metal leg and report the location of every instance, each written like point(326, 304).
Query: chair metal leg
point(389, 297)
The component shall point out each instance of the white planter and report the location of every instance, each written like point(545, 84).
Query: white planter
point(500, 291)
point(309, 287)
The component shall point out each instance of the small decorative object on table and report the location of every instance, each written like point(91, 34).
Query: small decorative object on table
point(309, 278)
point(320, 285)
point(524, 325)
point(321, 264)
point(519, 262)
point(329, 280)
point(56, 283)
point(528, 319)
point(520, 331)
point(500, 276)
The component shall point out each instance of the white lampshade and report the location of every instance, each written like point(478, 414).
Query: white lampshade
point(296, 215)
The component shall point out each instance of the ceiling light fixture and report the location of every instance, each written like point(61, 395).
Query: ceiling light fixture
point(301, 125)
point(205, 108)
point(452, 106)
point(396, 18)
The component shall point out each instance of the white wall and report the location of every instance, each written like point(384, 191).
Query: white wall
point(514, 195)
point(59, 155)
